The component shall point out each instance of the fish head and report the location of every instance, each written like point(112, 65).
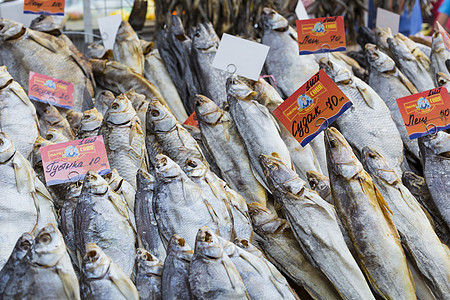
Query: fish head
point(113, 179)
point(120, 111)
point(145, 181)
point(74, 190)
point(49, 247)
point(74, 118)
point(266, 94)
point(264, 220)
point(176, 26)
point(207, 244)
point(340, 155)
point(38, 144)
point(178, 247)
point(437, 43)
point(319, 182)
point(229, 248)
point(336, 72)
point(146, 46)
point(148, 262)
point(280, 176)
point(47, 24)
point(166, 168)
point(438, 144)
point(382, 35)
point(210, 28)
point(7, 149)
point(203, 40)
point(414, 182)
point(236, 89)
point(124, 32)
point(56, 135)
point(23, 246)
point(378, 59)
point(51, 115)
point(97, 52)
point(10, 30)
point(98, 65)
point(159, 118)
point(247, 246)
point(105, 98)
point(399, 48)
point(206, 110)
point(377, 165)
point(91, 120)
point(94, 184)
point(134, 97)
point(273, 20)
point(95, 262)
point(194, 167)
point(5, 78)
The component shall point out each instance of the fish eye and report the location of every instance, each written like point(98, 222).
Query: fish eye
point(49, 136)
point(115, 106)
point(85, 117)
point(1, 142)
point(45, 238)
point(333, 143)
point(25, 246)
point(371, 155)
point(91, 255)
point(192, 164)
point(155, 113)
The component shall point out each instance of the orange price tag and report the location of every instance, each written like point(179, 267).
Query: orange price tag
point(70, 161)
point(44, 7)
point(321, 35)
point(192, 120)
point(312, 107)
point(445, 36)
point(50, 90)
point(426, 112)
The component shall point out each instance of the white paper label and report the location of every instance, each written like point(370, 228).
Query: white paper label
point(108, 27)
point(240, 56)
point(386, 18)
point(300, 11)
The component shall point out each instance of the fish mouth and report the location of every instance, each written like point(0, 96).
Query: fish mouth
point(445, 154)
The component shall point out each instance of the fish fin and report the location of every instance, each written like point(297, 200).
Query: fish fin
point(24, 174)
point(87, 100)
point(45, 40)
point(213, 214)
point(123, 283)
point(67, 282)
point(41, 189)
point(365, 95)
point(384, 206)
point(259, 179)
point(412, 89)
point(119, 205)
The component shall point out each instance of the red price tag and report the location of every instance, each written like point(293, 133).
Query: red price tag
point(192, 120)
point(70, 161)
point(50, 90)
point(44, 7)
point(426, 112)
point(321, 35)
point(312, 107)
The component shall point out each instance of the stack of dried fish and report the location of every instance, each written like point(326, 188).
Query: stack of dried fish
point(232, 209)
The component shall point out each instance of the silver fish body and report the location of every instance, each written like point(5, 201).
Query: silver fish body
point(212, 274)
point(290, 70)
point(360, 205)
point(146, 224)
point(19, 208)
point(220, 136)
point(356, 122)
point(275, 237)
point(426, 249)
point(180, 205)
point(122, 187)
point(309, 215)
point(124, 139)
point(102, 279)
point(127, 48)
point(438, 55)
point(101, 217)
point(148, 275)
point(215, 193)
point(256, 126)
point(14, 102)
point(435, 151)
point(175, 274)
point(390, 84)
point(242, 225)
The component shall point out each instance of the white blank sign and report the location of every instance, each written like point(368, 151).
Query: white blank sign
point(241, 56)
point(386, 18)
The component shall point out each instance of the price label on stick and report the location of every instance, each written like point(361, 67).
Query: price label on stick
point(426, 112)
point(108, 27)
point(70, 161)
point(192, 120)
point(240, 56)
point(312, 107)
point(321, 35)
point(44, 7)
point(444, 35)
point(50, 90)
point(386, 18)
